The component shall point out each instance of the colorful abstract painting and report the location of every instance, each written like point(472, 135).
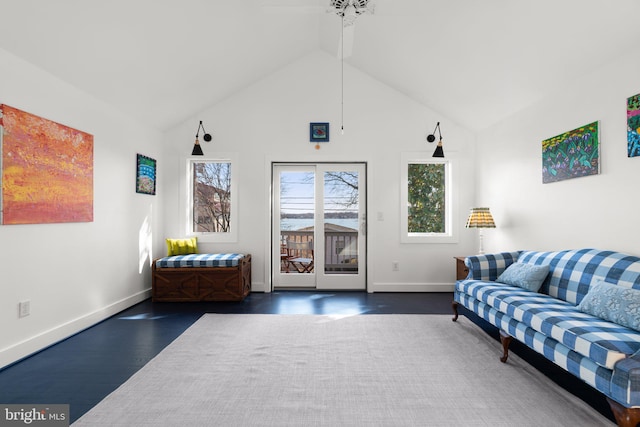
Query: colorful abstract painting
point(146, 175)
point(633, 126)
point(47, 170)
point(571, 155)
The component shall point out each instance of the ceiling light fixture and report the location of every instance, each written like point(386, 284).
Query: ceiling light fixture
point(432, 137)
point(197, 150)
point(348, 10)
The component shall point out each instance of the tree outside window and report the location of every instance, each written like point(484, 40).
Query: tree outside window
point(426, 198)
point(211, 197)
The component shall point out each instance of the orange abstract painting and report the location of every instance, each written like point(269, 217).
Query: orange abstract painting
point(47, 170)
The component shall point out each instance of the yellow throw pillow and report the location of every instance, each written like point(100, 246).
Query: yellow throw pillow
point(182, 246)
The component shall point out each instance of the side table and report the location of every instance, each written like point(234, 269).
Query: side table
point(461, 270)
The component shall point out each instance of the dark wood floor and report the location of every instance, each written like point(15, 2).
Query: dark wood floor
point(86, 367)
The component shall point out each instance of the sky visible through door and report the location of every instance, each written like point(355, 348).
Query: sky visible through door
point(297, 203)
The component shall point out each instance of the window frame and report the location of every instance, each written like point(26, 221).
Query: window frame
point(230, 236)
point(450, 234)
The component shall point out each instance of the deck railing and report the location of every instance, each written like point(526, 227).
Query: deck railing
point(340, 253)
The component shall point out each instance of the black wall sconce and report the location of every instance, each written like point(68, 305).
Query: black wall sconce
point(197, 150)
point(430, 138)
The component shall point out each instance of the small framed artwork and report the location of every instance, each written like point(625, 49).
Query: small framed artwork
point(318, 132)
point(572, 154)
point(146, 175)
point(633, 126)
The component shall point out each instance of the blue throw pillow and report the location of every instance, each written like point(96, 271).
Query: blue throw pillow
point(613, 303)
point(526, 276)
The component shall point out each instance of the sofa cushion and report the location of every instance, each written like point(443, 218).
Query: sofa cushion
point(612, 302)
point(602, 341)
point(584, 368)
point(489, 266)
point(573, 272)
point(526, 276)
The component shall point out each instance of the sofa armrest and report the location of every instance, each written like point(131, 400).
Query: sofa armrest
point(625, 381)
point(489, 266)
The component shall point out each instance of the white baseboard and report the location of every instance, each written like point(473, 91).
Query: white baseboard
point(411, 287)
point(384, 287)
point(259, 287)
point(54, 335)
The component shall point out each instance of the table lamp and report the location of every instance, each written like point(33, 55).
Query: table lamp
point(480, 218)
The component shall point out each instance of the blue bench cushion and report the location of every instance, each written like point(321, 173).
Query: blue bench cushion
point(200, 260)
point(602, 341)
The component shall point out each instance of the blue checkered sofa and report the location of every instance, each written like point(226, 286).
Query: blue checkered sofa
point(603, 354)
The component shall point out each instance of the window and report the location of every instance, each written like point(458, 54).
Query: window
point(427, 206)
point(426, 202)
point(212, 199)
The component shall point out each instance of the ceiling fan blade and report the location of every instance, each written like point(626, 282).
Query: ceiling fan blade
point(346, 42)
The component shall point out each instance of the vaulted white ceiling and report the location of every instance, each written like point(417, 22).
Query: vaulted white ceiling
point(474, 61)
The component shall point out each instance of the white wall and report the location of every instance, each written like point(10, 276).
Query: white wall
point(596, 211)
point(269, 121)
point(76, 274)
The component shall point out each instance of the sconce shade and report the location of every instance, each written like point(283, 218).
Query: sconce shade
point(197, 150)
point(480, 218)
point(439, 152)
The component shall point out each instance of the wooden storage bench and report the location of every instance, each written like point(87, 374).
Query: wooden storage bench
point(201, 277)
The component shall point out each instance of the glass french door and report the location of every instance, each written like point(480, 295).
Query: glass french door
point(319, 226)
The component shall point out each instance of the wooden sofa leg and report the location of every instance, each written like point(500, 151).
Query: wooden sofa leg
point(505, 339)
point(625, 417)
point(454, 305)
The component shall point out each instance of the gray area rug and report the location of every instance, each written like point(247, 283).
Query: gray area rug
point(367, 370)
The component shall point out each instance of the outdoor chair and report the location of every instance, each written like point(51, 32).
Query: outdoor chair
point(299, 256)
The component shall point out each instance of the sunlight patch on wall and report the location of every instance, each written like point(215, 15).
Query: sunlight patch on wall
point(145, 242)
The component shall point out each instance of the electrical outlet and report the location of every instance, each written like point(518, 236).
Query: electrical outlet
point(395, 266)
point(24, 308)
